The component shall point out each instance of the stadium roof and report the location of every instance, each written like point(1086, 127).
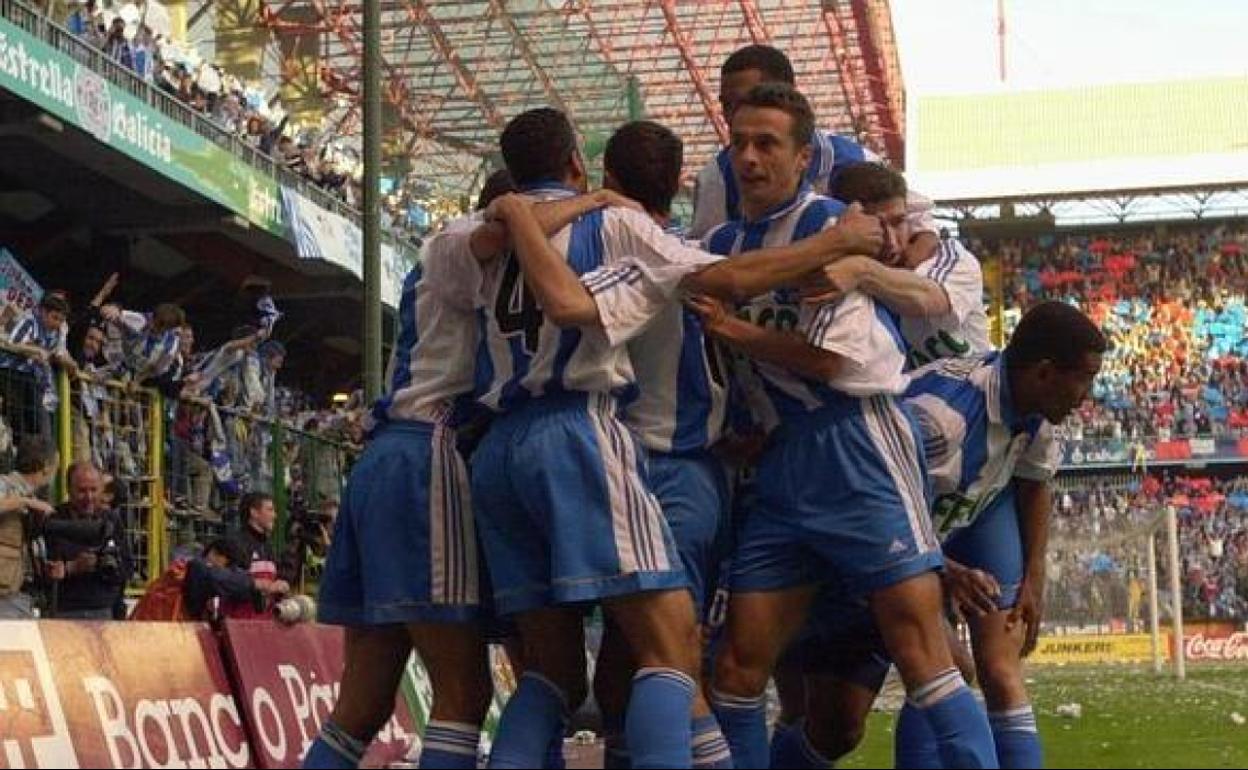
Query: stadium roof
point(1117, 137)
point(457, 71)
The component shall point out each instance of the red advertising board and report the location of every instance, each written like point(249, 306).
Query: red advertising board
point(1220, 648)
point(78, 694)
point(288, 680)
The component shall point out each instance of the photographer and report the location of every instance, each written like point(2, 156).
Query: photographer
point(308, 538)
point(88, 555)
point(36, 465)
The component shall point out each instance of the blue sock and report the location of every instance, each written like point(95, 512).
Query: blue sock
point(554, 754)
point(657, 724)
point(710, 750)
point(792, 748)
point(536, 711)
point(744, 722)
point(449, 746)
point(778, 731)
point(914, 744)
point(615, 746)
point(334, 749)
point(960, 725)
point(1018, 742)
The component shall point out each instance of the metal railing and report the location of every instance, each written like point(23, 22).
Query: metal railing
point(178, 467)
point(39, 26)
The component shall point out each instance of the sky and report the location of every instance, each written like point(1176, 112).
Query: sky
point(950, 46)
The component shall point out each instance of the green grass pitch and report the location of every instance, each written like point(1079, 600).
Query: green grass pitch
point(1131, 718)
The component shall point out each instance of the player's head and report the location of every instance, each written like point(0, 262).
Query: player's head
point(771, 133)
point(748, 67)
point(498, 183)
point(880, 190)
point(643, 161)
point(539, 146)
point(1051, 360)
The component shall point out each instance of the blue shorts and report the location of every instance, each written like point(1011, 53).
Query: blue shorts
point(405, 548)
point(993, 543)
point(693, 492)
point(842, 497)
point(564, 510)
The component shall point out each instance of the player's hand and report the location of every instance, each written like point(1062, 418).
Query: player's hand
point(612, 199)
point(110, 312)
point(863, 233)
point(835, 281)
point(1029, 611)
point(972, 592)
point(713, 313)
point(505, 207)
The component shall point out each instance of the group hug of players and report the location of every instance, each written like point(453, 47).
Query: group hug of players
point(776, 446)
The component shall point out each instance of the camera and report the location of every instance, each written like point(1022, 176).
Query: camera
point(96, 533)
point(108, 560)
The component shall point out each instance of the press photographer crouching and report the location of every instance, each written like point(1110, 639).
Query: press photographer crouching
point(21, 513)
point(88, 556)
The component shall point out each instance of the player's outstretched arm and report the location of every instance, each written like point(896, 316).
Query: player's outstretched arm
point(756, 272)
point(786, 349)
point(490, 239)
point(904, 291)
point(564, 300)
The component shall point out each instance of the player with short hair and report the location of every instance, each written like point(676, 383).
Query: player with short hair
point(678, 416)
point(717, 198)
point(565, 513)
point(403, 572)
point(840, 489)
point(987, 430)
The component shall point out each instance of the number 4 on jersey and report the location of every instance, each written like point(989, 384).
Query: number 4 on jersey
point(516, 309)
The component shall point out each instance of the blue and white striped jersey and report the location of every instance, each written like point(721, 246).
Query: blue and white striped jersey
point(144, 348)
point(963, 331)
point(974, 439)
point(681, 379)
point(630, 266)
point(436, 340)
point(856, 327)
point(717, 199)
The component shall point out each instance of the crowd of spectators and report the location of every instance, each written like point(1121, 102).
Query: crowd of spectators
point(244, 110)
point(1097, 561)
point(1172, 302)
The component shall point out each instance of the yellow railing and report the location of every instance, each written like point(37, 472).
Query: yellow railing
point(127, 432)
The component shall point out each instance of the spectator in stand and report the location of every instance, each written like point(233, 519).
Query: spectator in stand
point(116, 47)
point(35, 345)
point(143, 53)
point(90, 578)
point(83, 22)
point(150, 341)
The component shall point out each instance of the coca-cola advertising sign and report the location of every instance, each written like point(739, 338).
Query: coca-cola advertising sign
point(1233, 647)
point(116, 695)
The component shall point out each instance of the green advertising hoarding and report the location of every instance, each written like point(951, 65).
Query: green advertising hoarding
point(55, 82)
